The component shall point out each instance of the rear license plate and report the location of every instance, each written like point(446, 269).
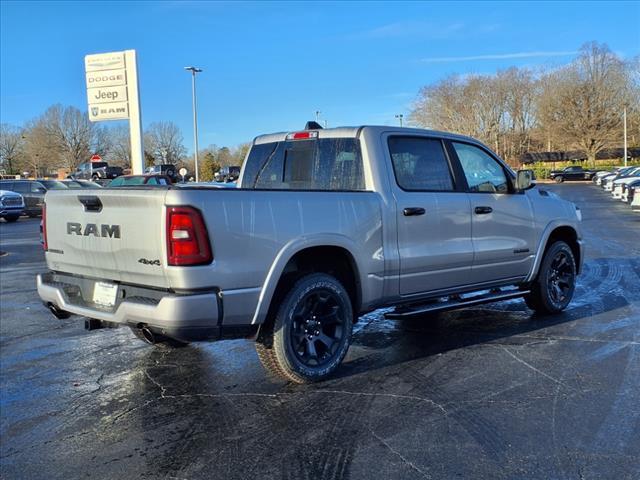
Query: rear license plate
point(105, 294)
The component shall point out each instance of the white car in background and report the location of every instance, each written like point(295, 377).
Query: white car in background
point(628, 190)
point(609, 180)
point(635, 205)
point(617, 186)
point(597, 178)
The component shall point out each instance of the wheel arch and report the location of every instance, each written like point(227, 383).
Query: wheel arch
point(327, 254)
point(554, 232)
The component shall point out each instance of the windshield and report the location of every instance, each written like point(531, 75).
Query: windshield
point(124, 181)
point(53, 184)
point(72, 184)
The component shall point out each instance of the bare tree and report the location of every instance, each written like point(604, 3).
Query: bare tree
point(164, 141)
point(119, 146)
point(70, 134)
point(584, 101)
point(11, 147)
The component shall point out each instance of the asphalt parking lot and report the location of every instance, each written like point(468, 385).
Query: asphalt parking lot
point(487, 392)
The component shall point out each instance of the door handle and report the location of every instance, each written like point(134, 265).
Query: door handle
point(410, 211)
point(483, 210)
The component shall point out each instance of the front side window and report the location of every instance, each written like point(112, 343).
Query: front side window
point(420, 164)
point(483, 173)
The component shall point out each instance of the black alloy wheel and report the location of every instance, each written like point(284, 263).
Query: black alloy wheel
point(317, 328)
point(561, 278)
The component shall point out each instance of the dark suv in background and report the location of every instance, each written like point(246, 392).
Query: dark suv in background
point(166, 169)
point(33, 192)
point(96, 171)
point(228, 174)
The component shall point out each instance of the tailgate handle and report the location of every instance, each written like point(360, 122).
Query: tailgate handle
point(91, 203)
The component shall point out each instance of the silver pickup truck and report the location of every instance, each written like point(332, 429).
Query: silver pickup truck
point(324, 226)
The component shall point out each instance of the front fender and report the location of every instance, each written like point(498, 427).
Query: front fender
point(544, 238)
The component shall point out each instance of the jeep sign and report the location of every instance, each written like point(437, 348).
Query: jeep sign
point(107, 94)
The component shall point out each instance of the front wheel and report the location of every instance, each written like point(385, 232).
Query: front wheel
point(555, 284)
point(12, 218)
point(559, 179)
point(311, 331)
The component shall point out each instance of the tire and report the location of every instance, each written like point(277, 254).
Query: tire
point(166, 343)
point(95, 177)
point(33, 215)
point(558, 179)
point(12, 218)
point(311, 331)
point(553, 288)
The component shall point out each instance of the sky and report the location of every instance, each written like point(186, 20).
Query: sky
point(269, 66)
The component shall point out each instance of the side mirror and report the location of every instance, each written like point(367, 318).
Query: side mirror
point(525, 179)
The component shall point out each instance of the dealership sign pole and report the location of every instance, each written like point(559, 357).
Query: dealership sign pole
point(112, 94)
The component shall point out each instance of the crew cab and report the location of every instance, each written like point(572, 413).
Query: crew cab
point(325, 225)
point(571, 173)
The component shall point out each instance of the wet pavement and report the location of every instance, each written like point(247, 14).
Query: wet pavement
point(487, 392)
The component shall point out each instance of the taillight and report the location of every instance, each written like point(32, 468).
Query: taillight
point(187, 237)
point(44, 227)
point(302, 135)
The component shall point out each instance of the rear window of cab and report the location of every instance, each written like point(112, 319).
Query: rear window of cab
point(319, 164)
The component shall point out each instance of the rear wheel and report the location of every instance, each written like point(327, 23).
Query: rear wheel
point(559, 179)
point(554, 286)
point(311, 332)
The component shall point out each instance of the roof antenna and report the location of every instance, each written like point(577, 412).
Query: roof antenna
point(311, 125)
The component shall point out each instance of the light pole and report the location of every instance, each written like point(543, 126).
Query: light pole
point(400, 117)
point(193, 71)
point(624, 115)
point(318, 112)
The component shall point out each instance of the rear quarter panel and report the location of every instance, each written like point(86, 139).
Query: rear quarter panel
point(254, 233)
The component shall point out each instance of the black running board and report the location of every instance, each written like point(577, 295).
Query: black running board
point(455, 304)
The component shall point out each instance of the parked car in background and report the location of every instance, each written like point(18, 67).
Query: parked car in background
point(635, 204)
point(618, 185)
point(96, 171)
point(11, 205)
point(80, 184)
point(166, 169)
point(629, 190)
point(33, 192)
point(607, 181)
point(597, 178)
point(140, 180)
point(571, 173)
point(227, 174)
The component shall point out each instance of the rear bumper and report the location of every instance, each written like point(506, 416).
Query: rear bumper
point(186, 317)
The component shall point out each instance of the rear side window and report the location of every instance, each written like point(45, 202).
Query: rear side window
point(324, 164)
point(420, 164)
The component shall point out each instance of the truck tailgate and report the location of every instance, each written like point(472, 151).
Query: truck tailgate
point(110, 234)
